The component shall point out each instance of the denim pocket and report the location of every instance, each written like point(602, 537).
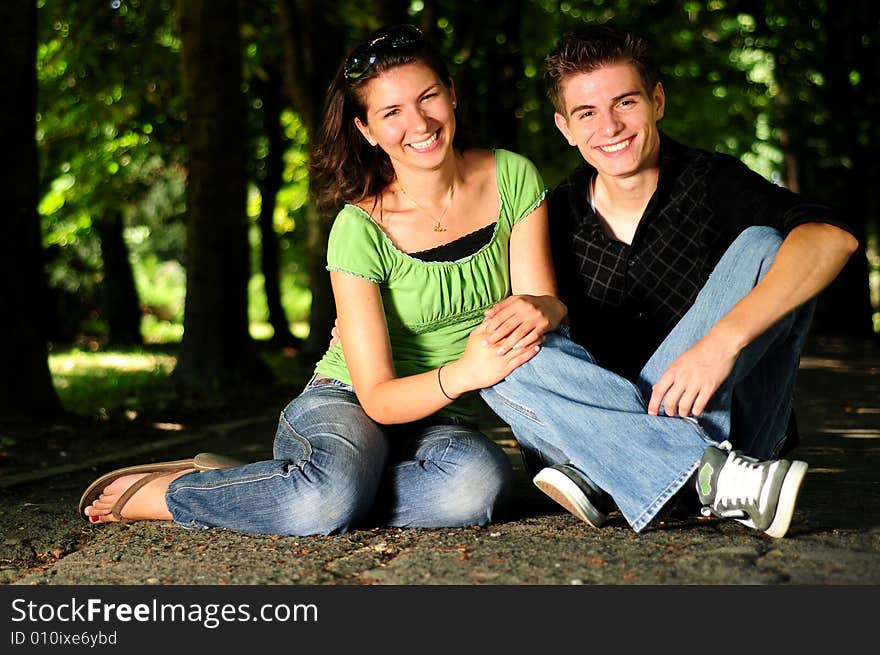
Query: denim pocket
point(290, 444)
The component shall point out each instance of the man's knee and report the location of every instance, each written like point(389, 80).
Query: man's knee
point(758, 242)
point(558, 355)
point(743, 264)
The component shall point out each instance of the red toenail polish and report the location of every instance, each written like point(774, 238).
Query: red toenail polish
point(94, 519)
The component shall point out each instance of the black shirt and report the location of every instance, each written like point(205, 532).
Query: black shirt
point(624, 299)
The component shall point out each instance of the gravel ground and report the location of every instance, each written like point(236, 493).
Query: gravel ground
point(835, 539)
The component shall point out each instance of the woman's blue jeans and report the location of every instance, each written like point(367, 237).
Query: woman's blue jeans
point(334, 468)
point(564, 408)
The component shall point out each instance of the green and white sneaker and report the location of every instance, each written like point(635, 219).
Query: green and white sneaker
point(761, 495)
point(575, 492)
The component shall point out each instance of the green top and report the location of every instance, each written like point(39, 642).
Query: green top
point(431, 307)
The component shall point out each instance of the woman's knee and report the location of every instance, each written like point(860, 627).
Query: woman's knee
point(335, 456)
point(478, 483)
point(341, 506)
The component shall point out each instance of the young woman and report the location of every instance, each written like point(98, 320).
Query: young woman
point(424, 256)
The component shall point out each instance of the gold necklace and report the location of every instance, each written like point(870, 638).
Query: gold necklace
point(437, 221)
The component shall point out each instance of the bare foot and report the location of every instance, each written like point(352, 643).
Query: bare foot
point(147, 503)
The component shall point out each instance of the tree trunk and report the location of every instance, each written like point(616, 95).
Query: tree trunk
point(845, 307)
point(121, 307)
point(813, 155)
point(217, 348)
point(270, 94)
point(25, 382)
point(313, 50)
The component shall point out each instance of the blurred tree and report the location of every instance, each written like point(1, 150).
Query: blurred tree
point(25, 383)
point(308, 60)
point(217, 348)
point(788, 85)
point(269, 182)
point(264, 77)
point(311, 58)
point(315, 37)
point(109, 124)
point(825, 68)
point(121, 308)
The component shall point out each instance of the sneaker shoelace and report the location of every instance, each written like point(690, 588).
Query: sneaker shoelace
point(739, 485)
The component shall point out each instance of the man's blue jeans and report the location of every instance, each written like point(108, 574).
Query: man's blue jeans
point(564, 408)
point(334, 467)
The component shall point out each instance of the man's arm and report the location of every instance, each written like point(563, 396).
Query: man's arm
point(808, 260)
point(533, 309)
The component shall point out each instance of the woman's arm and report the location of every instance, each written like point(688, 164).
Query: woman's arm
point(385, 397)
point(533, 309)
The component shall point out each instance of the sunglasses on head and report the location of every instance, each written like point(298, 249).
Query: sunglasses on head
point(397, 38)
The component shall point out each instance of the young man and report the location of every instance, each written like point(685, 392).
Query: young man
point(690, 283)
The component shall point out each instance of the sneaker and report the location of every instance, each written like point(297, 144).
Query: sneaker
point(761, 495)
point(575, 492)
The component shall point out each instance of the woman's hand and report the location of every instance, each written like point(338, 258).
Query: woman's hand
point(481, 365)
point(520, 322)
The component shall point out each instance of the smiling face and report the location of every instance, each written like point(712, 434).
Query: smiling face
point(612, 119)
point(410, 115)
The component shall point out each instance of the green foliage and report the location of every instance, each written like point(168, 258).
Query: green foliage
point(108, 131)
point(107, 384)
point(757, 80)
point(126, 385)
point(161, 287)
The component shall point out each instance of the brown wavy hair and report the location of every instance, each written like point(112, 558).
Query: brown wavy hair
point(344, 167)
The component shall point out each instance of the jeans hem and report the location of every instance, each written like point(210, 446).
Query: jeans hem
point(189, 525)
point(192, 523)
point(644, 519)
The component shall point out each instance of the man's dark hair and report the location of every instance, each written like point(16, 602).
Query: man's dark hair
point(591, 48)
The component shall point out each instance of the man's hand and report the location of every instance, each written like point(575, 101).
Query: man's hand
point(335, 336)
point(693, 378)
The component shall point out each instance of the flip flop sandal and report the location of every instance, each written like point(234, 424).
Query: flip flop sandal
point(201, 462)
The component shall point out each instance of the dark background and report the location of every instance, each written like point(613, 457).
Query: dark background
point(157, 191)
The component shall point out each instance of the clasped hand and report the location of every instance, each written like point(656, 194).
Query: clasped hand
point(521, 321)
point(510, 335)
